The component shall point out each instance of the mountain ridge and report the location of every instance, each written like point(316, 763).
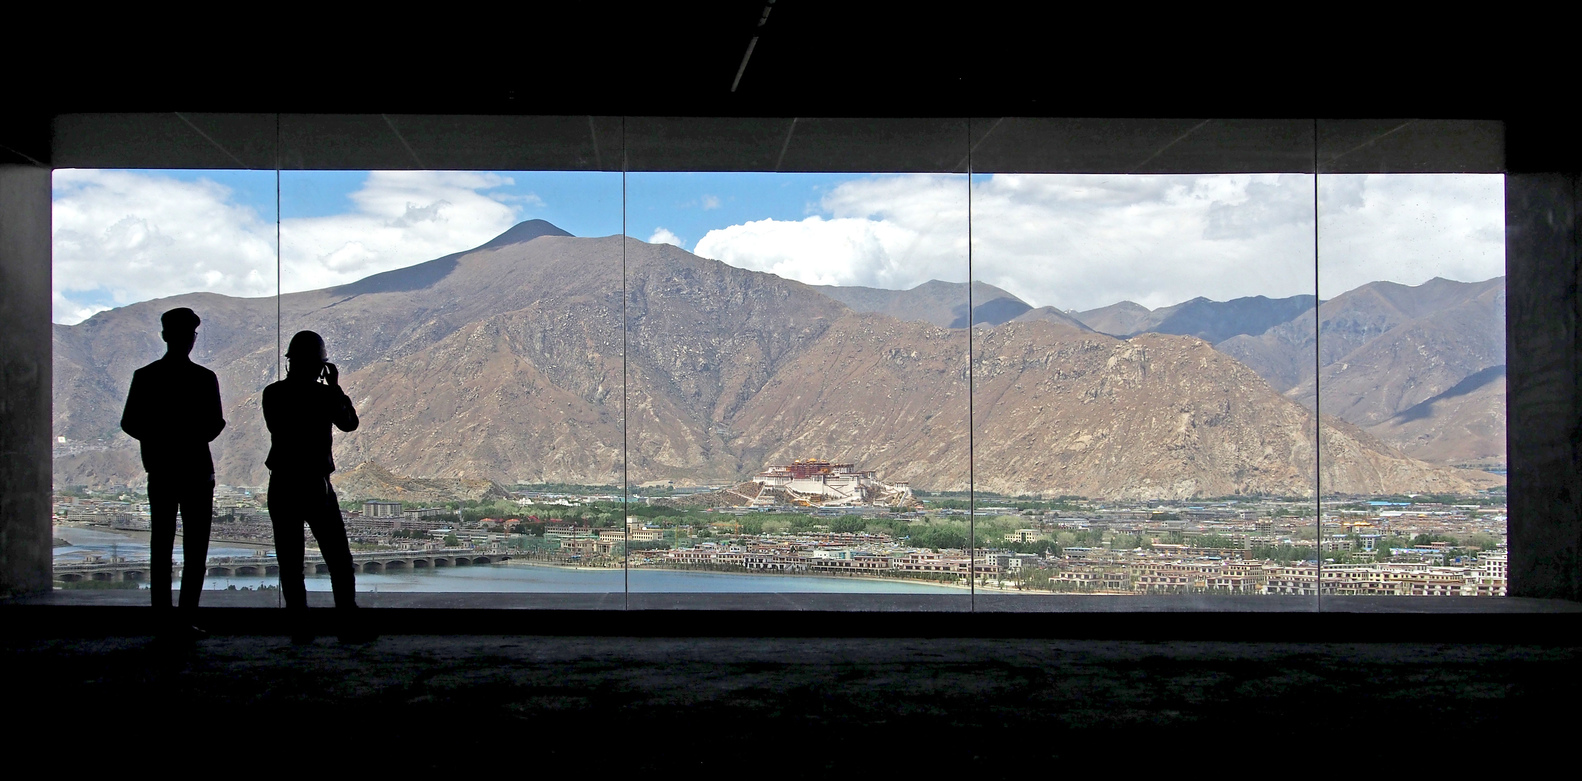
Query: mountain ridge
point(1211, 321)
point(509, 368)
point(936, 302)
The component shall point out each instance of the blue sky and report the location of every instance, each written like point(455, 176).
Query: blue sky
point(252, 189)
point(689, 205)
point(581, 203)
point(1070, 241)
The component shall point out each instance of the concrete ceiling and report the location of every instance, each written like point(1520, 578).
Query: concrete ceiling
point(1224, 76)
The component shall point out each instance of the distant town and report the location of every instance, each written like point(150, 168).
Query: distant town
point(815, 518)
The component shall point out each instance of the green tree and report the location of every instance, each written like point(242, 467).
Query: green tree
point(848, 524)
point(1039, 547)
point(937, 536)
point(803, 523)
point(1217, 541)
point(1482, 541)
point(1283, 553)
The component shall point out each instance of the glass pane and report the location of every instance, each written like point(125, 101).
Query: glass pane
point(130, 245)
point(798, 408)
point(474, 318)
point(1132, 433)
point(1412, 356)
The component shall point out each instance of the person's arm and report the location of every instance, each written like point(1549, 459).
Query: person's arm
point(267, 403)
point(213, 421)
point(344, 415)
point(134, 417)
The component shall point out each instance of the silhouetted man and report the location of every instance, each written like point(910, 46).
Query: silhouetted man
point(173, 410)
point(299, 411)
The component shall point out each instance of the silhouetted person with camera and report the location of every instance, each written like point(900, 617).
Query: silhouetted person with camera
point(299, 411)
point(173, 411)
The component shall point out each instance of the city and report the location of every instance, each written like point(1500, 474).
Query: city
point(1370, 546)
point(646, 425)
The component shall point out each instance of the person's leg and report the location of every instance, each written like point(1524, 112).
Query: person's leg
point(162, 542)
point(328, 528)
point(197, 515)
point(286, 518)
point(330, 531)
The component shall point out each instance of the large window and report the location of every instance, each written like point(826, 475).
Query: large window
point(1122, 447)
point(855, 370)
point(129, 245)
point(1411, 355)
point(799, 382)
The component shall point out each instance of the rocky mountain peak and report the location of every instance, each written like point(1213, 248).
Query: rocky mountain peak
point(522, 233)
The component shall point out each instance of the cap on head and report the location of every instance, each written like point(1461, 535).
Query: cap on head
point(182, 320)
point(309, 345)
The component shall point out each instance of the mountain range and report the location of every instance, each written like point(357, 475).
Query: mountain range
point(505, 363)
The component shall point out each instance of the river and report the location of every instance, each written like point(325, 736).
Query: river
point(130, 545)
point(515, 577)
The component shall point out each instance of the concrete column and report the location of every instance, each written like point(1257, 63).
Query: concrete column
point(1545, 407)
point(25, 377)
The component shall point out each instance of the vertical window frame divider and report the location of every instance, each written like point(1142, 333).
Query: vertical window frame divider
point(972, 452)
point(1318, 401)
point(626, 456)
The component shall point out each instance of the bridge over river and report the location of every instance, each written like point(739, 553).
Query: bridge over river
point(263, 566)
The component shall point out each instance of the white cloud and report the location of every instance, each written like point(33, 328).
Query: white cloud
point(1410, 228)
point(527, 199)
point(400, 218)
point(891, 232)
point(1079, 242)
point(1083, 241)
point(122, 237)
point(69, 312)
point(1069, 241)
point(664, 236)
point(710, 202)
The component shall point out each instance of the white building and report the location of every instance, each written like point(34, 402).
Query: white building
point(815, 482)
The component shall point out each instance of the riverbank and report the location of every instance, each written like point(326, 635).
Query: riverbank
point(522, 575)
point(88, 540)
point(956, 586)
point(507, 579)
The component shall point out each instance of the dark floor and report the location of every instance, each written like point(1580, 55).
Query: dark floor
point(1149, 618)
point(778, 707)
point(778, 685)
